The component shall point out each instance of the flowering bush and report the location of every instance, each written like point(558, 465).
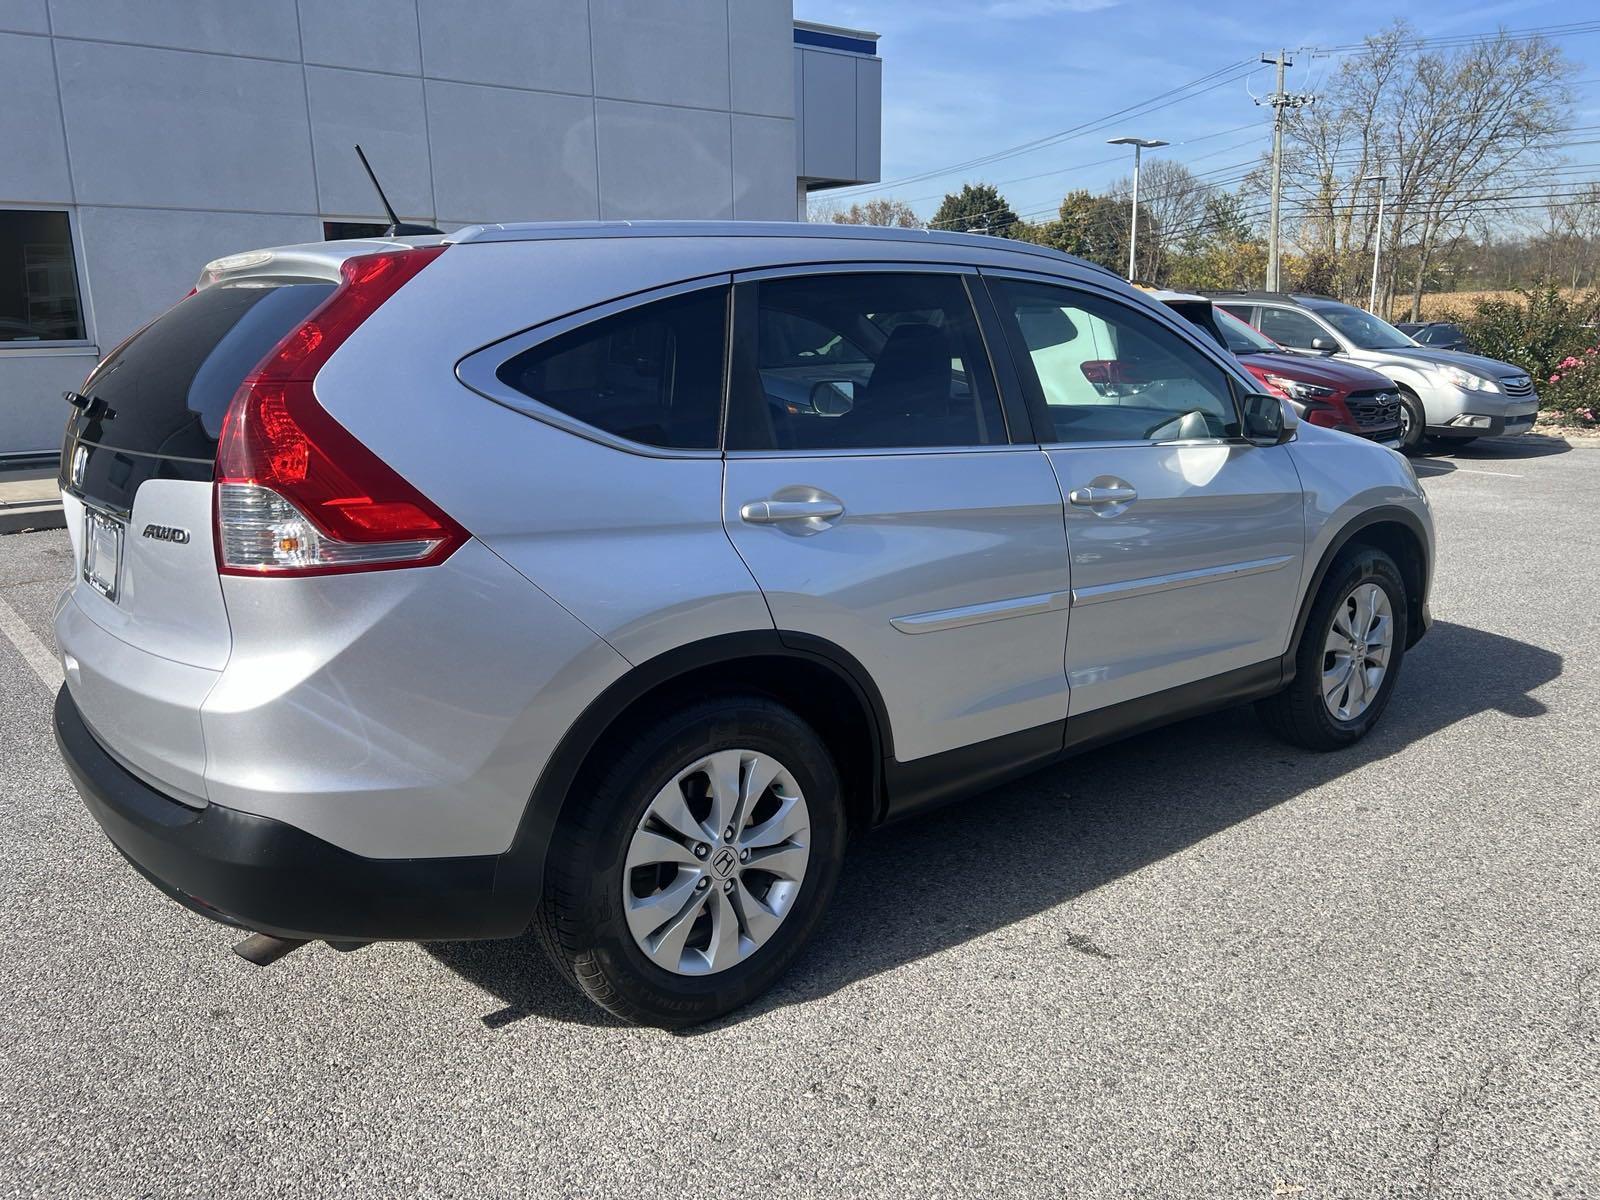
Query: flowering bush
point(1573, 387)
point(1554, 338)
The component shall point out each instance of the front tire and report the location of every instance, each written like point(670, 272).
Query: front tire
point(1349, 656)
point(695, 865)
point(1413, 423)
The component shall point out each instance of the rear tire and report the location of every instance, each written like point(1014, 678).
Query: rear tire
point(1413, 423)
point(1337, 694)
point(692, 935)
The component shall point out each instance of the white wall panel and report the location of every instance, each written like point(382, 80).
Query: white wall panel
point(384, 113)
point(196, 131)
point(503, 155)
point(761, 53)
point(266, 28)
point(374, 35)
point(31, 409)
point(33, 152)
point(661, 53)
point(514, 43)
point(663, 162)
point(763, 168)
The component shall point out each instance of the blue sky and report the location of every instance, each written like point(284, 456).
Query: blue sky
point(966, 79)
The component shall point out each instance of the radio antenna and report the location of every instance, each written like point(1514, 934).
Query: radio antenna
point(397, 227)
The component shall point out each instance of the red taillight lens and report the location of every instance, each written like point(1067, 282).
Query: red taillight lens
point(297, 494)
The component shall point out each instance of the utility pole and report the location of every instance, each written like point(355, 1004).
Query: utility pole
point(1377, 246)
point(1279, 100)
point(1139, 145)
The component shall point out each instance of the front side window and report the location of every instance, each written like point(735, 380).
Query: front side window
point(1105, 372)
point(38, 279)
point(652, 374)
point(1362, 328)
point(1290, 328)
point(864, 361)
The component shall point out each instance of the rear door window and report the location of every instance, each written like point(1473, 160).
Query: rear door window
point(863, 361)
point(651, 374)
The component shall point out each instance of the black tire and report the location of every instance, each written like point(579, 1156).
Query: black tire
point(581, 918)
point(1414, 423)
point(1298, 714)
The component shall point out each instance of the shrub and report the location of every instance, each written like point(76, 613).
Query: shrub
point(1554, 337)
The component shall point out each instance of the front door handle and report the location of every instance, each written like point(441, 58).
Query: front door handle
point(773, 512)
point(1094, 497)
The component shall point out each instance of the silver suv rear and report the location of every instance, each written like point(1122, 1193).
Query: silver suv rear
point(1449, 395)
point(607, 578)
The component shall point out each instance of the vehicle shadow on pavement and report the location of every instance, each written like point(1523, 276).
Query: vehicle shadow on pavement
point(1505, 449)
point(912, 890)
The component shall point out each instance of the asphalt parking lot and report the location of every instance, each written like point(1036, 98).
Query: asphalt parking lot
point(1197, 963)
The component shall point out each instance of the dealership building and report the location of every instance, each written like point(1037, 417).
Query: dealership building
point(142, 140)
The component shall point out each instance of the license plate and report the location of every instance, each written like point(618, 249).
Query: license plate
point(102, 552)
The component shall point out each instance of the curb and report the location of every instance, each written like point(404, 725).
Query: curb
point(32, 518)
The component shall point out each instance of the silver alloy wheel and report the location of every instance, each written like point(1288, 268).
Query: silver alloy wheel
point(716, 862)
point(1355, 657)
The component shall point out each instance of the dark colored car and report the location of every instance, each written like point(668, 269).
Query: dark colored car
point(1442, 335)
point(1333, 394)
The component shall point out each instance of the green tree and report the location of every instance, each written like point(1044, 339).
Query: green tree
point(976, 208)
point(1089, 226)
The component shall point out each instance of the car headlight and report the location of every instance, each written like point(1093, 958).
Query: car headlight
point(1299, 390)
point(1468, 381)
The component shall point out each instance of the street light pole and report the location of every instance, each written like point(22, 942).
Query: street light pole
point(1377, 246)
point(1139, 145)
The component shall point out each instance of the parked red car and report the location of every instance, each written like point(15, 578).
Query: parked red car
point(1324, 392)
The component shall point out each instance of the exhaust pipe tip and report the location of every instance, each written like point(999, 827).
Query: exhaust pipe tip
point(263, 949)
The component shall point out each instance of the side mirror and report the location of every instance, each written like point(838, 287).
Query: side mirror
point(1324, 345)
point(1269, 420)
point(833, 397)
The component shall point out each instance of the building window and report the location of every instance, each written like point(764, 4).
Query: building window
point(344, 231)
point(38, 279)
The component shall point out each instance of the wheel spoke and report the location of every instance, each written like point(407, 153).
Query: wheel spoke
point(786, 861)
point(648, 848)
point(1373, 595)
point(790, 820)
point(759, 920)
point(1338, 676)
point(1341, 621)
point(666, 947)
point(648, 914)
point(759, 774)
point(723, 950)
point(670, 808)
point(723, 770)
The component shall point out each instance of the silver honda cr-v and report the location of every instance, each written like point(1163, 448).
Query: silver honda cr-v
point(605, 578)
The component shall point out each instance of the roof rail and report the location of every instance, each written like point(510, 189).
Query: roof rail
point(533, 231)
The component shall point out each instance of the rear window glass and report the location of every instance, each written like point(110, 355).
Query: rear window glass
point(652, 374)
point(166, 391)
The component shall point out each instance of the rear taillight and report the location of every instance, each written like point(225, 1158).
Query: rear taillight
point(296, 493)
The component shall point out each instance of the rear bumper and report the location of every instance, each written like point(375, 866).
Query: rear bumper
point(266, 875)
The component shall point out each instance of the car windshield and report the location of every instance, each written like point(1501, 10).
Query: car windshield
point(1362, 328)
point(1242, 338)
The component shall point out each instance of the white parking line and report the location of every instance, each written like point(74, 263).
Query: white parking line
point(34, 652)
point(1465, 471)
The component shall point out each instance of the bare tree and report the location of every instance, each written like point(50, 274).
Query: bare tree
point(1172, 201)
point(886, 211)
point(1453, 131)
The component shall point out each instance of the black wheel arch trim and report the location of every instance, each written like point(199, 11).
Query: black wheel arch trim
point(520, 879)
point(1386, 514)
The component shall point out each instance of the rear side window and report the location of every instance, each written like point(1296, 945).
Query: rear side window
point(166, 390)
point(863, 361)
point(652, 374)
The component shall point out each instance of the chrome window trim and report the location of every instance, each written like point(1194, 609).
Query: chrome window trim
point(1241, 379)
point(479, 370)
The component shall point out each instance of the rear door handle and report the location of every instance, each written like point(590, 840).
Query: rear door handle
point(1094, 497)
point(773, 512)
